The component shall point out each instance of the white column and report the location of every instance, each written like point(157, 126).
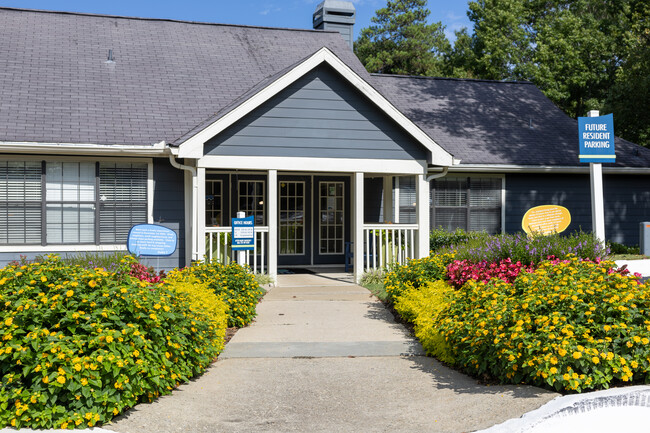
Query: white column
point(357, 226)
point(272, 207)
point(388, 199)
point(422, 210)
point(200, 213)
point(396, 201)
point(189, 221)
point(597, 198)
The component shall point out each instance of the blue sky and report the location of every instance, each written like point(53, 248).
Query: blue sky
point(270, 13)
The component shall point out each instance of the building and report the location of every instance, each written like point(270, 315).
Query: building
point(107, 122)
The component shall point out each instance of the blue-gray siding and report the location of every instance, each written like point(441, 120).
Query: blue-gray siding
point(627, 201)
point(320, 115)
point(169, 210)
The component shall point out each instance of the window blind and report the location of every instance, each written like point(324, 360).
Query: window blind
point(122, 198)
point(20, 202)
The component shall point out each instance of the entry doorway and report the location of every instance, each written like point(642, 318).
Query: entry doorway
point(314, 219)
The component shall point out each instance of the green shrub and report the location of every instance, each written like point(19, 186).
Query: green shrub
point(416, 273)
point(530, 249)
point(421, 307)
point(232, 283)
point(78, 346)
point(572, 325)
point(616, 248)
point(440, 238)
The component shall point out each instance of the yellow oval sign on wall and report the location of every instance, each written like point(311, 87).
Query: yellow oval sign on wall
point(546, 219)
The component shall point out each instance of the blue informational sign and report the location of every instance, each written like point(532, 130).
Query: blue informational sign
point(596, 139)
point(151, 240)
point(243, 233)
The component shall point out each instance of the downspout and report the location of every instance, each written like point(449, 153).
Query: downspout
point(195, 191)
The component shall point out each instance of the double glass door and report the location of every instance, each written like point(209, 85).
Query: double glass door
point(313, 223)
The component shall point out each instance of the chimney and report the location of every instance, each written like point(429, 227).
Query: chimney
point(336, 15)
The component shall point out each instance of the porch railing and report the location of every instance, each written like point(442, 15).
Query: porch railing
point(388, 244)
point(218, 247)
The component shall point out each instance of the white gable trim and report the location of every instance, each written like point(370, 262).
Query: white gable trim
point(193, 147)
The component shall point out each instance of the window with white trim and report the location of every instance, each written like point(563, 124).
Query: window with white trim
point(470, 203)
point(70, 202)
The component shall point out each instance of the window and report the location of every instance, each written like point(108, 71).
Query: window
point(213, 203)
point(70, 202)
point(407, 199)
point(122, 200)
point(251, 199)
point(292, 218)
point(470, 203)
point(20, 202)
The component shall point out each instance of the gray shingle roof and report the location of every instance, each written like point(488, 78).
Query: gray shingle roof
point(489, 122)
point(168, 76)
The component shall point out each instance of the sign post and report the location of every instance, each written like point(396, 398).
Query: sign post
point(243, 236)
point(596, 136)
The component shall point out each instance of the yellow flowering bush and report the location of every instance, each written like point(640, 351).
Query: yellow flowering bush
point(420, 307)
point(570, 325)
point(232, 283)
point(416, 273)
point(79, 346)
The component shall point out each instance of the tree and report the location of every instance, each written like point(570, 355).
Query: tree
point(629, 97)
point(401, 41)
point(572, 50)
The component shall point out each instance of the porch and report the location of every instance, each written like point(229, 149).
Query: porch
point(367, 220)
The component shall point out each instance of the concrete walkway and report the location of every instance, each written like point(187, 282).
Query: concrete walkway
point(324, 356)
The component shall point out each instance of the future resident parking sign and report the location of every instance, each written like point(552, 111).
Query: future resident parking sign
point(596, 139)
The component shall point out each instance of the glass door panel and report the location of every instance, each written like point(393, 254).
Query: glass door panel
point(292, 218)
point(331, 217)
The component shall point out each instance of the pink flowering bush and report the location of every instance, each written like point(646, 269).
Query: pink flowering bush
point(142, 273)
point(460, 271)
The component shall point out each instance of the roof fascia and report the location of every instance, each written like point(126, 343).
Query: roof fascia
point(193, 147)
point(82, 148)
point(496, 168)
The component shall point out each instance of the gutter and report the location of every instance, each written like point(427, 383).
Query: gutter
point(81, 148)
point(495, 168)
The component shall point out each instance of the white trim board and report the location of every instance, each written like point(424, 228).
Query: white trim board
point(76, 248)
point(193, 147)
point(302, 164)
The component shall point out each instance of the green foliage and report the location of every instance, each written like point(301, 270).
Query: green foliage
point(584, 54)
point(530, 249)
point(374, 276)
point(263, 279)
point(416, 273)
point(79, 346)
point(401, 41)
point(421, 307)
point(440, 238)
point(572, 326)
point(616, 248)
point(234, 284)
point(631, 88)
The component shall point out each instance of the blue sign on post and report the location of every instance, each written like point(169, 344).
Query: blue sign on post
point(243, 233)
point(596, 135)
point(151, 240)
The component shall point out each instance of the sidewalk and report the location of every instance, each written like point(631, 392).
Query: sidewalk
point(323, 355)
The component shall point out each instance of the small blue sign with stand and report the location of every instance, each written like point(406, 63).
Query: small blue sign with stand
point(151, 240)
point(243, 233)
point(596, 135)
